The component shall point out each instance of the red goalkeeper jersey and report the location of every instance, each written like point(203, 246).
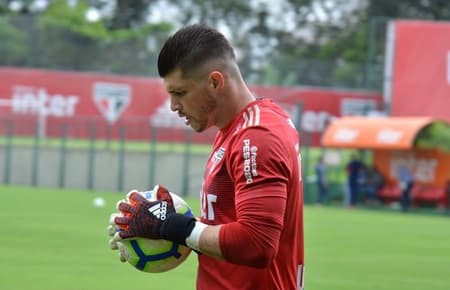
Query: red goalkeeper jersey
point(252, 186)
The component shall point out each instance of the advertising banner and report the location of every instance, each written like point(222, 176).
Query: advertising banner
point(420, 64)
point(109, 102)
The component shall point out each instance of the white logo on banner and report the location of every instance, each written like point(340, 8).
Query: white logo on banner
point(423, 168)
point(345, 135)
point(356, 107)
point(315, 121)
point(389, 136)
point(111, 99)
point(164, 117)
point(31, 100)
point(448, 67)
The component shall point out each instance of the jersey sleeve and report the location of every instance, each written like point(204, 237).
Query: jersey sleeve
point(260, 166)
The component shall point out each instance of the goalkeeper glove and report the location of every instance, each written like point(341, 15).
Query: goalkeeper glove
point(114, 244)
point(152, 219)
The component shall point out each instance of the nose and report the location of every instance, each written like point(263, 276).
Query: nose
point(174, 105)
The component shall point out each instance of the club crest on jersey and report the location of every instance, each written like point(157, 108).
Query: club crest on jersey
point(249, 153)
point(217, 156)
point(111, 99)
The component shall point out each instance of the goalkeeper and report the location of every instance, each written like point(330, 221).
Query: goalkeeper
point(250, 231)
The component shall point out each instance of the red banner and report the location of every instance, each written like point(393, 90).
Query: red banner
point(421, 69)
point(139, 104)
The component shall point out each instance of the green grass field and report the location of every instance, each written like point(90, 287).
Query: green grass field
point(56, 239)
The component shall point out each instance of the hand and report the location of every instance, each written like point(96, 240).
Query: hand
point(141, 217)
point(113, 229)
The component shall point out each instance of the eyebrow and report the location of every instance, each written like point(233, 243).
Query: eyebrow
point(176, 88)
point(176, 91)
point(170, 88)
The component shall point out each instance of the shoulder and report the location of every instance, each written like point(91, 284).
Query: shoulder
point(266, 126)
point(265, 116)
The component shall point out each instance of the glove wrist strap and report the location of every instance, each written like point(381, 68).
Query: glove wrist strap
point(177, 228)
point(193, 239)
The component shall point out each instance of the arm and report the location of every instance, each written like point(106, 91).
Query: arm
point(136, 220)
point(252, 240)
point(209, 242)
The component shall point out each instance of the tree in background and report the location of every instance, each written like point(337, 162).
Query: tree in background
point(336, 43)
point(61, 36)
point(16, 45)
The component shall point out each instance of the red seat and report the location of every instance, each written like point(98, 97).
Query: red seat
point(429, 193)
point(420, 193)
point(390, 192)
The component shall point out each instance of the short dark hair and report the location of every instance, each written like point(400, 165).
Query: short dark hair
point(192, 46)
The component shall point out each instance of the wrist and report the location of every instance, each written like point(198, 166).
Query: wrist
point(193, 240)
point(177, 228)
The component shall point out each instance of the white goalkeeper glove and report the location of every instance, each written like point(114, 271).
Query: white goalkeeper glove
point(114, 244)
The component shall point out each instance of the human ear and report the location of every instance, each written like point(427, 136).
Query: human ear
point(216, 79)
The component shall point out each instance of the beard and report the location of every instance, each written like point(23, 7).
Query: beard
point(207, 117)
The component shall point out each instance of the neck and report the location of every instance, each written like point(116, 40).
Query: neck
point(236, 97)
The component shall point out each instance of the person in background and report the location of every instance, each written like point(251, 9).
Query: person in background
point(250, 231)
point(353, 174)
point(406, 181)
point(321, 181)
point(373, 182)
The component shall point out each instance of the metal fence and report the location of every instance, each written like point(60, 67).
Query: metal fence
point(107, 163)
point(109, 160)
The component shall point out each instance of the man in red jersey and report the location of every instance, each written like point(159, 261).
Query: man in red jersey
point(250, 232)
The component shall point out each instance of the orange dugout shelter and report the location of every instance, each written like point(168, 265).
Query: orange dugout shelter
point(392, 139)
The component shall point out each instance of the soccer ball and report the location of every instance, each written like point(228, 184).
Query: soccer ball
point(155, 256)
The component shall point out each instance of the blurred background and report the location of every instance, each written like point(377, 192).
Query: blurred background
point(84, 118)
point(82, 106)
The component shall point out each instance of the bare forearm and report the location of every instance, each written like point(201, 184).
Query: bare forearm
point(209, 242)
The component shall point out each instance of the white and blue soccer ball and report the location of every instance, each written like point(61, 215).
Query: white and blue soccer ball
point(155, 256)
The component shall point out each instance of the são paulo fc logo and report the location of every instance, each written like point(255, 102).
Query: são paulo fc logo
point(111, 99)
